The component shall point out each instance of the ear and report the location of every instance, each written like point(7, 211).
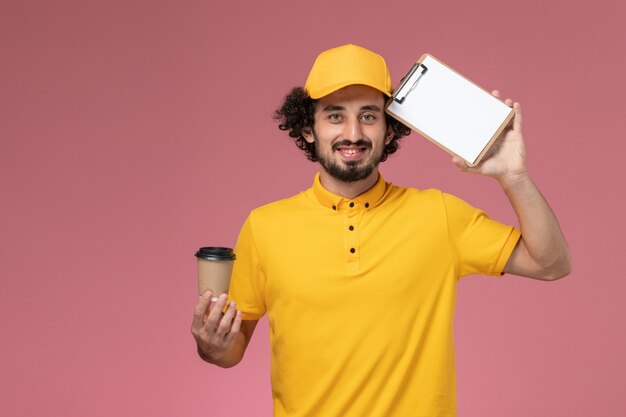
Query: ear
point(307, 133)
point(389, 135)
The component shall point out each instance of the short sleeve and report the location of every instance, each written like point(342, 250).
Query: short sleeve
point(247, 284)
point(480, 245)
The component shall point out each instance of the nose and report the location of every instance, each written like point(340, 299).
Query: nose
point(352, 129)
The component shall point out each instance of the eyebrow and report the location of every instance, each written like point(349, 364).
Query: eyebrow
point(333, 107)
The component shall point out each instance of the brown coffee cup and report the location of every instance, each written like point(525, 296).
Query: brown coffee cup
point(215, 265)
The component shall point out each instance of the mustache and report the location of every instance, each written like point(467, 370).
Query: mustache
point(361, 142)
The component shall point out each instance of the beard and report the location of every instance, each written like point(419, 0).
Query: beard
point(348, 171)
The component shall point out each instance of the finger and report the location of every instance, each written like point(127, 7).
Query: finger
point(227, 318)
point(460, 163)
point(201, 309)
point(508, 102)
point(234, 329)
point(495, 93)
point(517, 120)
point(216, 312)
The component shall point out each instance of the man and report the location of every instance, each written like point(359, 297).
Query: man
point(358, 277)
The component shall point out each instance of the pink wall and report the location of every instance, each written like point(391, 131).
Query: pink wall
point(132, 132)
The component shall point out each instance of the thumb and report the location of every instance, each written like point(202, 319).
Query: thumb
point(462, 165)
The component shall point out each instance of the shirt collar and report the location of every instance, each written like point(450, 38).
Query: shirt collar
point(368, 199)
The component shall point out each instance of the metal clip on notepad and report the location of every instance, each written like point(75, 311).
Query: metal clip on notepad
point(404, 89)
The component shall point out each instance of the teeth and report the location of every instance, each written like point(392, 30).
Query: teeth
point(350, 151)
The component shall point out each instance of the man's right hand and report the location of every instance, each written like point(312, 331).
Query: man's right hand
point(215, 332)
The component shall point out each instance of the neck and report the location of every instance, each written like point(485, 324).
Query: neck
point(348, 189)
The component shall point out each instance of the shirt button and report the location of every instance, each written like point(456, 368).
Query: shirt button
point(367, 205)
point(352, 250)
point(351, 204)
point(351, 227)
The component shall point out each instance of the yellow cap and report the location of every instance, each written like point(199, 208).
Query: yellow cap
point(347, 65)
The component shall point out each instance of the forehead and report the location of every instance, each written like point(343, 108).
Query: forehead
point(353, 96)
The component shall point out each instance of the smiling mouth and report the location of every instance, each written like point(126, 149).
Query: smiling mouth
point(351, 150)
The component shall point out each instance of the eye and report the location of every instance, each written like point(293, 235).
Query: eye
point(368, 117)
point(334, 117)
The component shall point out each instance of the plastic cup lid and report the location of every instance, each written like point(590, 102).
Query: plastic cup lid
point(216, 253)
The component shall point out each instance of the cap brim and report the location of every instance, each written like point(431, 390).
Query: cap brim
point(317, 94)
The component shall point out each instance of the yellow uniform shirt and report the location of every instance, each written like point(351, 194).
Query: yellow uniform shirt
point(360, 296)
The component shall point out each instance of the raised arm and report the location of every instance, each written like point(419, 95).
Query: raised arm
point(542, 252)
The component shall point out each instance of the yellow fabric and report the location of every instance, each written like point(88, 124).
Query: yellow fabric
point(347, 65)
point(367, 333)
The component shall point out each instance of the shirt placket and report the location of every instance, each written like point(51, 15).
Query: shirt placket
point(351, 211)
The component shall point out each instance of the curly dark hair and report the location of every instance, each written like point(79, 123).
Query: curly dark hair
point(296, 114)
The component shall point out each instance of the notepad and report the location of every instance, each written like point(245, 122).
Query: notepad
point(449, 110)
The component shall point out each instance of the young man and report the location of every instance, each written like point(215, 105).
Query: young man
point(358, 277)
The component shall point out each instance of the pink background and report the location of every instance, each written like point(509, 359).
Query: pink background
point(132, 132)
